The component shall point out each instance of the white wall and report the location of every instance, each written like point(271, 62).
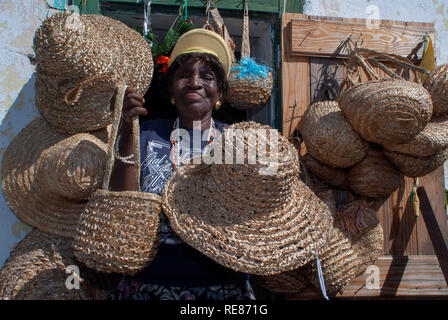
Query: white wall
point(435, 11)
point(18, 23)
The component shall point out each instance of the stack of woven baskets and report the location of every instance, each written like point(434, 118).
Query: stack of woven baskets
point(377, 131)
point(55, 166)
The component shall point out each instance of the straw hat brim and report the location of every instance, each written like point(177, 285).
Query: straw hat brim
point(36, 270)
point(29, 200)
point(234, 234)
point(356, 242)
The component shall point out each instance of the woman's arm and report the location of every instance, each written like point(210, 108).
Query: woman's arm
point(123, 175)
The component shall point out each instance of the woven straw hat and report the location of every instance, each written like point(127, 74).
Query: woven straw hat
point(432, 140)
point(296, 280)
point(437, 84)
point(47, 177)
point(80, 60)
point(247, 221)
point(374, 176)
point(387, 111)
point(356, 242)
point(414, 167)
point(36, 270)
point(328, 136)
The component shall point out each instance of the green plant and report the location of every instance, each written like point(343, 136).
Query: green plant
point(164, 48)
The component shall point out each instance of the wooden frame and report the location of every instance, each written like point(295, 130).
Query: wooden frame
point(313, 75)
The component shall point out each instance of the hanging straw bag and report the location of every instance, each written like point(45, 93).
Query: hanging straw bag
point(250, 83)
point(118, 231)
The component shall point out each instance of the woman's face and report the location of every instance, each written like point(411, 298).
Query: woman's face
point(195, 89)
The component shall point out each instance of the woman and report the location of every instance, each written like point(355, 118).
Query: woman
point(197, 75)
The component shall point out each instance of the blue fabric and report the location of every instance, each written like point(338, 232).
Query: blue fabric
point(249, 69)
point(176, 263)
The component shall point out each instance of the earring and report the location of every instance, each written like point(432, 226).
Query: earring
point(218, 105)
point(172, 101)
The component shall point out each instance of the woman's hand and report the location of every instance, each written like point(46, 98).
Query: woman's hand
point(132, 107)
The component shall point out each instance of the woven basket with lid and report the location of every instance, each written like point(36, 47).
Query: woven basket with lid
point(437, 85)
point(329, 137)
point(387, 111)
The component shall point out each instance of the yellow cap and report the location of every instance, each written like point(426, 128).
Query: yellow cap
point(203, 41)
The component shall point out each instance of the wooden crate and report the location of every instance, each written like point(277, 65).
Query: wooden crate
point(312, 71)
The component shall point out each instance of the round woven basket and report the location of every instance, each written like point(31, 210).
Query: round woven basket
point(248, 93)
point(80, 59)
point(118, 232)
point(334, 177)
point(432, 140)
point(437, 84)
point(356, 242)
point(387, 111)
point(36, 270)
point(329, 137)
point(374, 176)
point(253, 90)
point(54, 173)
point(246, 220)
point(414, 167)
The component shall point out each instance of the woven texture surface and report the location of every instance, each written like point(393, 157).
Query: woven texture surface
point(433, 139)
point(335, 177)
point(36, 270)
point(80, 59)
point(328, 136)
point(258, 224)
point(374, 176)
point(387, 111)
point(414, 167)
point(118, 231)
point(54, 173)
point(356, 242)
point(248, 93)
point(286, 282)
point(437, 84)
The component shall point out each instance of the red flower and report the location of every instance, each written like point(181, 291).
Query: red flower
point(163, 69)
point(163, 60)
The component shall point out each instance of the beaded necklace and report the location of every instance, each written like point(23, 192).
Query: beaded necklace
point(175, 150)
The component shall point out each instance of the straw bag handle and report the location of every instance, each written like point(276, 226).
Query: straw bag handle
point(118, 109)
point(72, 96)
point(245, 44)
